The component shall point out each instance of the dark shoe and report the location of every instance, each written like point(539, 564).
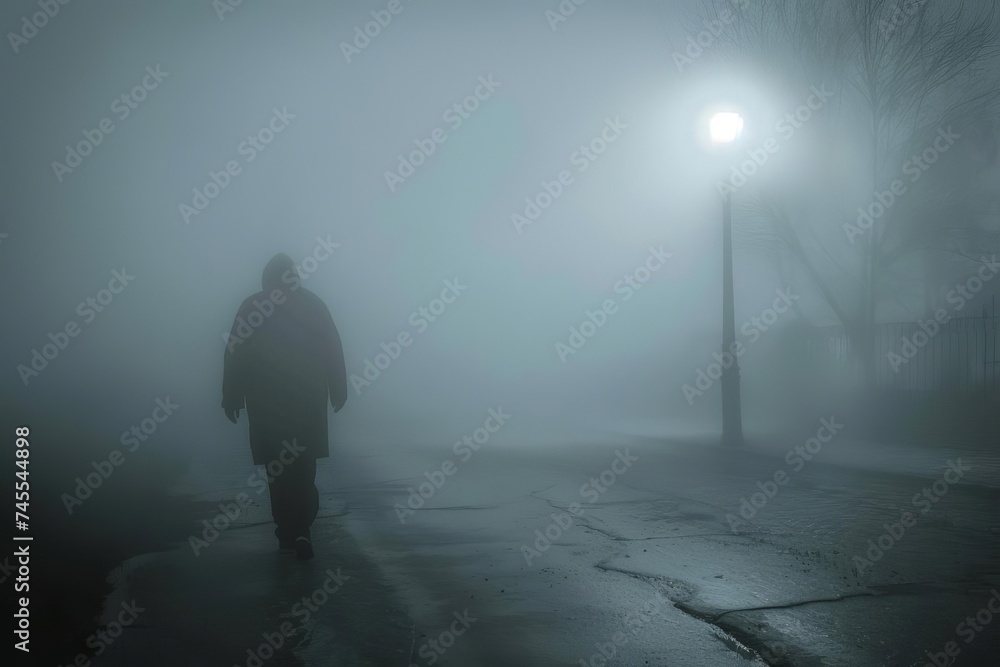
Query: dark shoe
point(303, 548)
point(286, 546)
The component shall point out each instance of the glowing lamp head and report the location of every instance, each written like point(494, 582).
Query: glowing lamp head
point(725, 127)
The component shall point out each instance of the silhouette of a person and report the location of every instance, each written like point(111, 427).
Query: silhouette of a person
point(283, 361)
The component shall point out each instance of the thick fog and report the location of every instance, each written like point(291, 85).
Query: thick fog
point(321, 179)
point(506, 206)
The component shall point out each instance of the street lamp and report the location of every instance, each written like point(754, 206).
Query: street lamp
point(725, 127)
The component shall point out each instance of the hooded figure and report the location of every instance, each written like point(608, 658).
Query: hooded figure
point(283, 362)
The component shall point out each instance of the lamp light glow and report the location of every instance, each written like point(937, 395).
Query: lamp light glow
point(725, 127)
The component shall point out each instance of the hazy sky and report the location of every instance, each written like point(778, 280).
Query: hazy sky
point(606, 74)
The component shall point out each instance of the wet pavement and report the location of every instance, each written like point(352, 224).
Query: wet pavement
point(632, 551)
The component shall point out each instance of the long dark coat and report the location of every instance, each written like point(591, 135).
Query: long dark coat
point(283, 364)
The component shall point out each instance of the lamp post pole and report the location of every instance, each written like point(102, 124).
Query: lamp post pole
point(732, 419)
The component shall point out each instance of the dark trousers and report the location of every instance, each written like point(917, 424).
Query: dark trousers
point(294, 498)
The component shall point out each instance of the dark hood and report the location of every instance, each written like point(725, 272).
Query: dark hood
point(279, 266)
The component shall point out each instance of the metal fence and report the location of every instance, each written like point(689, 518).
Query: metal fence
point(957, 357)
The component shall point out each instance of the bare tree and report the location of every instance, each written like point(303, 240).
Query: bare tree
point(908, 73)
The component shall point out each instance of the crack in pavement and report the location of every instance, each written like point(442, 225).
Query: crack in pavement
point(800, 603)
point(906, 588)
point(746, 646)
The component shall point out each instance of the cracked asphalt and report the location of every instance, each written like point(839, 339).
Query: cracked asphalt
point(651, 565)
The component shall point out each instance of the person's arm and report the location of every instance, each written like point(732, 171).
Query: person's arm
point(233, 387)
point(335, 366)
